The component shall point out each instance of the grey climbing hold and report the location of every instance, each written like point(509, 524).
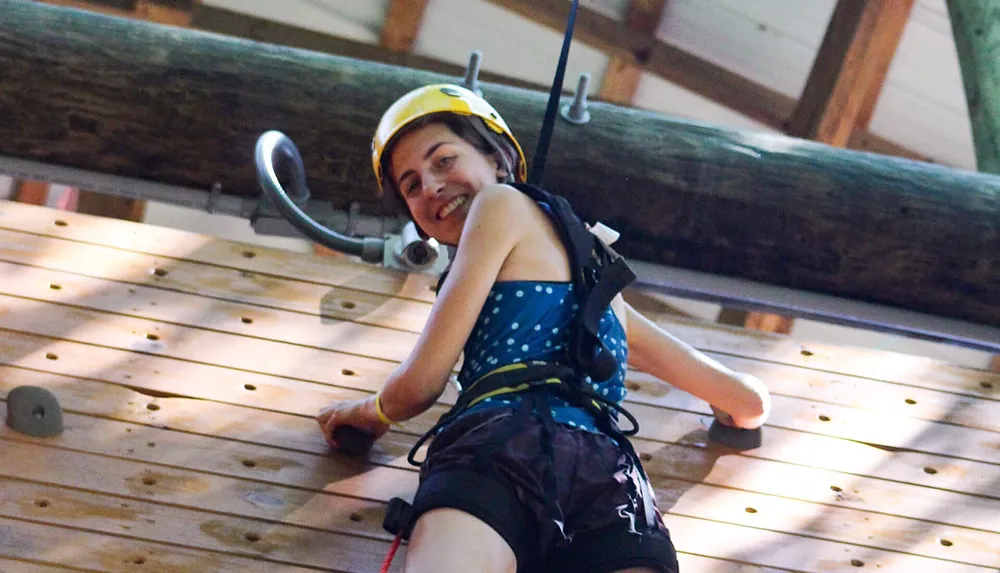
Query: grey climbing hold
point(34, 411)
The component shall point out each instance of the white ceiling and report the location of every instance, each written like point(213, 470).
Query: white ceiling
point(772, 42)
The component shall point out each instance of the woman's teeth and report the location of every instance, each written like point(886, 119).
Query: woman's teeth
point(451, 206)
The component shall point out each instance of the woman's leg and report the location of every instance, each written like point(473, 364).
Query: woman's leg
point(445, 540)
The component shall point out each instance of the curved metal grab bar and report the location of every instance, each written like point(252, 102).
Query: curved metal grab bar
point(274, 145)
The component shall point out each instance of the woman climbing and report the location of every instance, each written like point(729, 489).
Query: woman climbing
point(530, 471)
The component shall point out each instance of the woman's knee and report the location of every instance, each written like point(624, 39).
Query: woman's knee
point(447, 539)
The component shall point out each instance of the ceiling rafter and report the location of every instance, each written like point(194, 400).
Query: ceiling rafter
point(850, 69)
point(673, 64)
point(402, 24)
point(621, 80)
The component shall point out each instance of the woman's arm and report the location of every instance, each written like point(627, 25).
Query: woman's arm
point(656, 352)
point(491, 232)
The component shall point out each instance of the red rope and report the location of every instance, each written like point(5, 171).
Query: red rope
point(391, 553)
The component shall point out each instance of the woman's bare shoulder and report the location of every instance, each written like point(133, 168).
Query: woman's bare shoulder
point(503, 204)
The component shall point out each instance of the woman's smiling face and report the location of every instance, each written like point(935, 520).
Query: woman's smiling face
point(438, 174)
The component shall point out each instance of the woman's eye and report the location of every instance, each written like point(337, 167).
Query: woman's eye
point(446, 161)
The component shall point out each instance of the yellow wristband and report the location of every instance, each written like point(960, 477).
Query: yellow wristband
point(381, 415)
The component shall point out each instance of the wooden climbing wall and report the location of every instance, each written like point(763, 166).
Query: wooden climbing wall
point(190, 370)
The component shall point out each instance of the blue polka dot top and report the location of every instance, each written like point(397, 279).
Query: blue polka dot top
point(530, 320)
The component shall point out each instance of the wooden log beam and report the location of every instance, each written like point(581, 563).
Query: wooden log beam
point(169, 13)
point(186, 107)
point(976, 27)
point(705, 78)
point(621, 80)
point(850, 68)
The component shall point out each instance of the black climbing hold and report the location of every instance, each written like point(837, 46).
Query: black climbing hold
point(34, 411)
point(736, 438)
point(353, 441)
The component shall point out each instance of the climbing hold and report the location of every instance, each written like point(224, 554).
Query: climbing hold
point(736, 438)
point(353, 441)
point(34, 411)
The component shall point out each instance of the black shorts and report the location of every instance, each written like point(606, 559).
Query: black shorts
point(600, 524)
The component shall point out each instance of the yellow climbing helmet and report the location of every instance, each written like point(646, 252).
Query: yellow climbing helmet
point(437, 98)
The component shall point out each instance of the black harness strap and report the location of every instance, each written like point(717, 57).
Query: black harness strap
point(534, 377)
point(598, 271)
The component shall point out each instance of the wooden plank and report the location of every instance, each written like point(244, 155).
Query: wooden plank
point(182, 484)
point(712, 504)
point(806, 554)
point(248, 499)
point(315, 473)
point(850, 68)
point(906, 369)
point(178, 244)
point(188, 347)
point(147, 520)
point(87, 551)
point(402, 24)
point(621, 79)
point(144, 374)
point(280, 448)
point(342, 303)
point(169, 308)
point(269, 263)
point(329, 510)
point(112, 555)
point(273, 293)
point(383, 344)
point(910, 371)
point(12, 566)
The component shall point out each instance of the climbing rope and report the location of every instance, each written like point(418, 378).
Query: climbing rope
point(548, 124)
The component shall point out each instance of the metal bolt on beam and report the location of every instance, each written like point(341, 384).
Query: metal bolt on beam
point(576, 112)
point(471, 80)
